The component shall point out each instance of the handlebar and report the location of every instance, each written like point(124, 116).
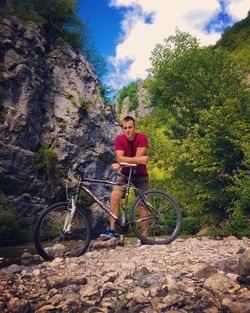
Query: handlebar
point(128, 164)
point(79, 168)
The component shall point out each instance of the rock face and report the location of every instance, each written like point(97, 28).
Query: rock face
point(185, 276)
point(49, 96)
point(143, 107)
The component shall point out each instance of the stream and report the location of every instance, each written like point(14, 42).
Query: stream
point(12, 255)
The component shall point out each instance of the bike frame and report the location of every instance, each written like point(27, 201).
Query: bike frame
point(82, 185)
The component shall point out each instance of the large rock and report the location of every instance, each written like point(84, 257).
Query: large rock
point(143, 108)
point(218, 283)
point(202, 270)
point(49, 95)
point(65, 280)
point(244, 264)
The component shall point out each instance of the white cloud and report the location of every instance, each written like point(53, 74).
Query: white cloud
point(238, 8)
point(138, 38)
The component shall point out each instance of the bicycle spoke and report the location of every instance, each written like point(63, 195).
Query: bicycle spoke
point(144, 219)
point(50, 238)
point(148, 229)
point(163, 221)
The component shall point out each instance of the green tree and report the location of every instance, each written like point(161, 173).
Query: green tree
point(59, 18)
point(97, 60)
point(240, 211)
point(129, 91)
point(204, 103)
point(236, 39)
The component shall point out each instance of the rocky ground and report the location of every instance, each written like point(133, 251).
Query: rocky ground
point(189, 275)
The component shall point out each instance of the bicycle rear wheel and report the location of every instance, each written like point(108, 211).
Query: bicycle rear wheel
point(51, 240)
point(155, 219)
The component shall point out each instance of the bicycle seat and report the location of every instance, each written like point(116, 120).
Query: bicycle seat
point(128, 164)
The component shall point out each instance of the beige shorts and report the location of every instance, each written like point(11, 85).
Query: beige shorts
point(140, 182)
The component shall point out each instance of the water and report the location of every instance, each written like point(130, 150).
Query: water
point(12, 255)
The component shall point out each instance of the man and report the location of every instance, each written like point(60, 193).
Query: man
point(130, 147)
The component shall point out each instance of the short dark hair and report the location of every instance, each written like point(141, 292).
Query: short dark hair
point(128, 118)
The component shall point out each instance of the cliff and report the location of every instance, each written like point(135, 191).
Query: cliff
point(133, 101)
point(52, 115)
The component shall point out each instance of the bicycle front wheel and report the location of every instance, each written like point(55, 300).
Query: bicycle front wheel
point(155, 218)
point(54, 237)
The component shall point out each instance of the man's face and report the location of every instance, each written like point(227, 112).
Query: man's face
point(129, 129)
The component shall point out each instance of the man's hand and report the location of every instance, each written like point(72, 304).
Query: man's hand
point(115, 166)
point(142, 159)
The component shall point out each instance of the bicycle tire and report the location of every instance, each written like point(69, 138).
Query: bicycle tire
point(48, 232)
point(162, 224)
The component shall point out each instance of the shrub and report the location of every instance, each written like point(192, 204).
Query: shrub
point(68, 95)
point(218, 231)
point(84, 106)
point(238, 224)
point(12, 231)
point(190, 225)
point(26, 195)
point(62, 124)
point(84, 199)
point(106, 92)
point(45, 164)
point(59, 18)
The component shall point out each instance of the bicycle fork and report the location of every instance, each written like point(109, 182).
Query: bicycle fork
point(69, 216)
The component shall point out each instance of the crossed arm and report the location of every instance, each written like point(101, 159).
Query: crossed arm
point(139, 158)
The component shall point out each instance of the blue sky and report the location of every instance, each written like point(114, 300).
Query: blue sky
point(103, 22)
point(126, 31)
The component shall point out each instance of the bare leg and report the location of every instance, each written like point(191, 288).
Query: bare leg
point(116, 197)
point(143, 209)
point(143, 213)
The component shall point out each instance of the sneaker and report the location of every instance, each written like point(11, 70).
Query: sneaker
point(108, 234)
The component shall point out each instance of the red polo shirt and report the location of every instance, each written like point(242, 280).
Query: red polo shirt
point(129, 148)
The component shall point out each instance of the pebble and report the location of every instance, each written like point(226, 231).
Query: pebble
point(189, 275)
point(36, 272)
point(26, 255)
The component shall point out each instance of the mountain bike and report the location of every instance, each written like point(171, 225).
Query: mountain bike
point(63, 229)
